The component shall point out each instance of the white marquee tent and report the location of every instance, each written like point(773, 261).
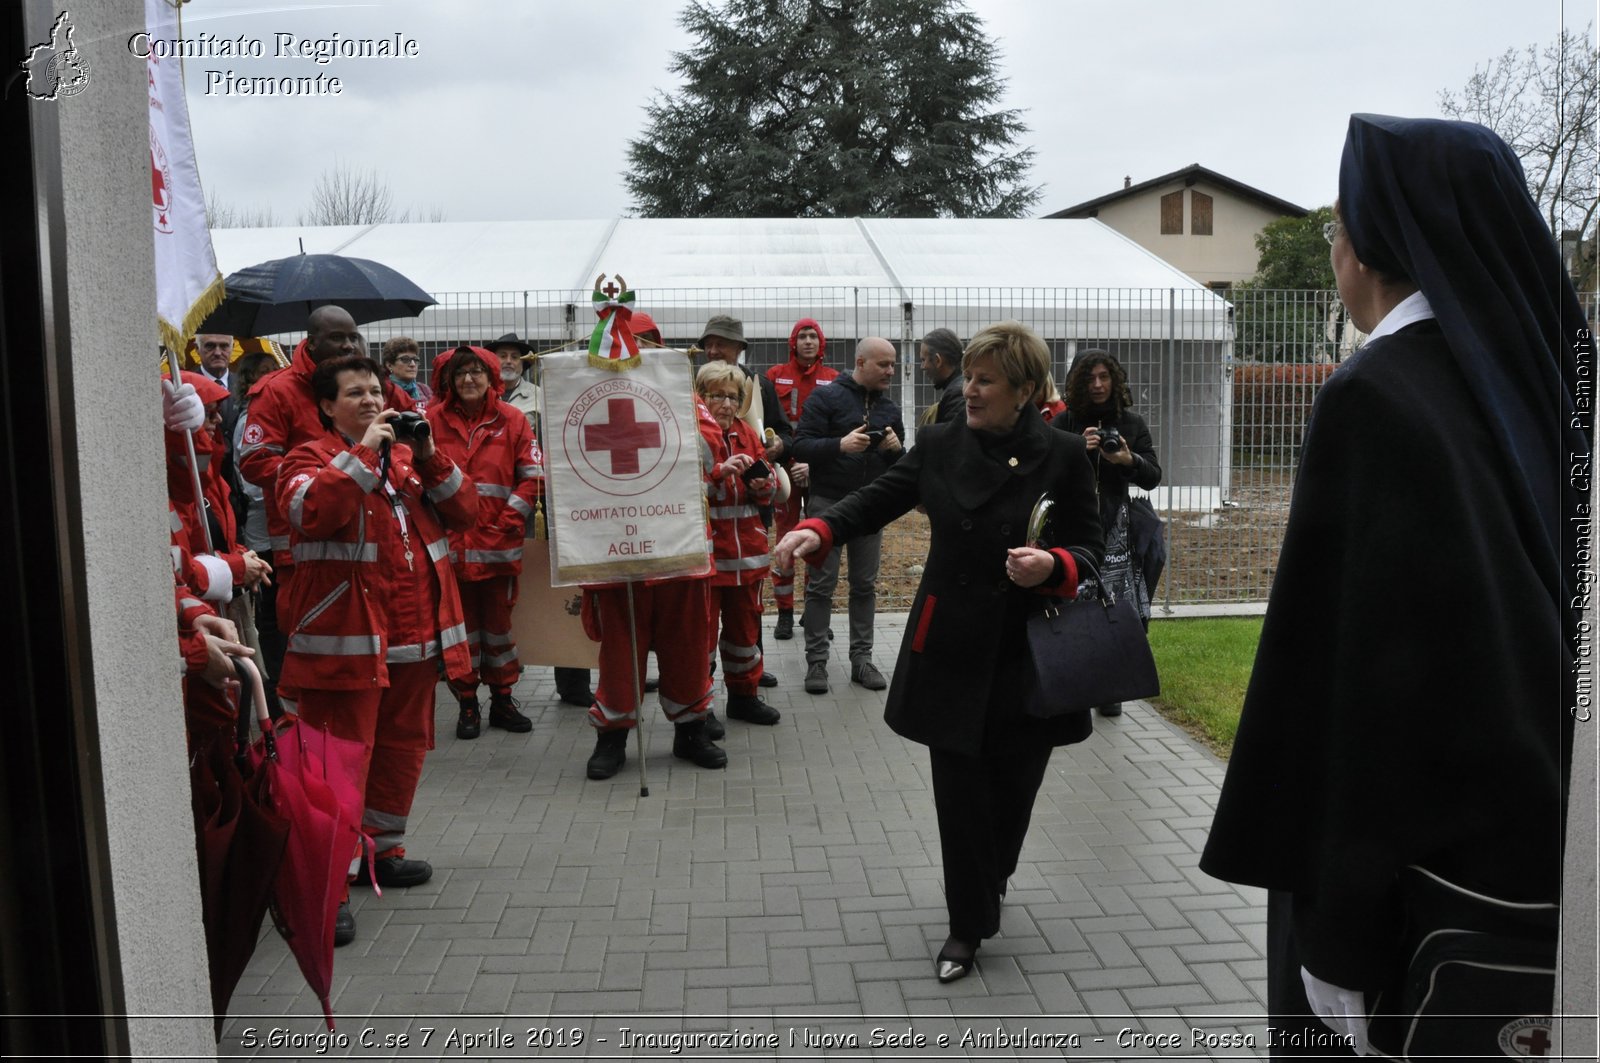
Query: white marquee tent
point(1077, 282)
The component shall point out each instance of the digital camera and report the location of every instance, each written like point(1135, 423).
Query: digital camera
point(1110, 440)
point(410, 427)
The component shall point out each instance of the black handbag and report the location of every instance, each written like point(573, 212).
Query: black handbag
point(1479, 981)
point(1086, 652)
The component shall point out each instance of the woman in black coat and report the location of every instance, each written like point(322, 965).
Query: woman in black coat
point(961, 681)
point(1098, 405)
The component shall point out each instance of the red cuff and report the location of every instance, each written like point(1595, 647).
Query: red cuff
point(820, 526)
point(1068, 587)
point(195, 652)
point(235, 564)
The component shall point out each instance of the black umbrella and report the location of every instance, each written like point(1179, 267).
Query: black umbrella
point(278, 296)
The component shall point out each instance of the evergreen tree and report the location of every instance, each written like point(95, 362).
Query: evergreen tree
point(832, 108)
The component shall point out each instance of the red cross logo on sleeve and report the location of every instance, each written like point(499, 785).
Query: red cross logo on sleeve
point(623, 436)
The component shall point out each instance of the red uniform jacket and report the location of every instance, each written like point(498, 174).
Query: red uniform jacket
point(793, 384)
point(351, 607)
point(282, 415)
point(498, 453)
point(738, 537)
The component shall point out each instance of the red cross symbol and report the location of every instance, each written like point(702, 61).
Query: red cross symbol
point(610, 288)
point(622, 436)
point(1536, 1041)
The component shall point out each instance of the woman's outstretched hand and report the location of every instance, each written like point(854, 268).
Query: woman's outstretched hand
point(798, 543)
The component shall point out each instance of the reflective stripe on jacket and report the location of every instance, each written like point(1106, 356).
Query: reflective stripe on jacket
point(345, 536)
point(738, 538)
point(282, 415)
point(502, 459)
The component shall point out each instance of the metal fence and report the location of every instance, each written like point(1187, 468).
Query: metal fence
point(1224, 379)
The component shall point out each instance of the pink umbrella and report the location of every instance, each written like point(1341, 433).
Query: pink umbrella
point(310, 781)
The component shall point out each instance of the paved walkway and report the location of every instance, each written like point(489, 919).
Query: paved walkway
point(789, 905)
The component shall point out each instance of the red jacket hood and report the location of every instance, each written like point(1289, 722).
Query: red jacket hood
point(822, 338)
point(444, 394)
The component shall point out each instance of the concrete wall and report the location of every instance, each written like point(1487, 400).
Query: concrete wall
point(1229, 254)
point(104, 170)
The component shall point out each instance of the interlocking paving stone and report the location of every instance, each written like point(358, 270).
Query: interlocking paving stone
point(799, 885)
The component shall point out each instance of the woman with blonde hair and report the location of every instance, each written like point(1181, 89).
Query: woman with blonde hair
point(962, 681)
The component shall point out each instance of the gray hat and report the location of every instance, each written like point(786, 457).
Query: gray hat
point(729, 328)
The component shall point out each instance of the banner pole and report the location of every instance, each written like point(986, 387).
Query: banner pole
point(638, 691)
point(194, 464)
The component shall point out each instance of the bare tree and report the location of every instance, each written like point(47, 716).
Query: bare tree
point(224, 215)
point(1543, 104)
point(344, 196)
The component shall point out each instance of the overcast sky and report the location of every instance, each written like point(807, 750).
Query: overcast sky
point(523, 109)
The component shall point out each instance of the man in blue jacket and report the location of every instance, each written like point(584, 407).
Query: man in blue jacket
point(850, 433)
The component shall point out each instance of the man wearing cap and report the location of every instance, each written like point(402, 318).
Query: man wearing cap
point(518, 390)
point(850, 434)
point(572, 684)
point(723, 341)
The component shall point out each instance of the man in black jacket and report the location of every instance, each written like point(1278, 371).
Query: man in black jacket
point(940, 357)
point(850, 433)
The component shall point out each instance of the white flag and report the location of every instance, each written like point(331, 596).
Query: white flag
point(188, 284)
point(623, 470)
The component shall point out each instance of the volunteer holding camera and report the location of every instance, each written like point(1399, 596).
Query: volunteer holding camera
point(374, 599)
point(741, 483)
point(850, 434)
point(1122, 452)
point(492, 441)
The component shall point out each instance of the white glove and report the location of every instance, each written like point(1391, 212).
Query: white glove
point(181, 406)
point(1342, 1010)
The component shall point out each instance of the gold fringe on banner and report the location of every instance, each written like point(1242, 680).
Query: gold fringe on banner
point(611, 572)
point(615, 365)
point(176, 336)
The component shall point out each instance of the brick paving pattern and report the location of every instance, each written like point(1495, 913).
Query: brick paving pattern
point(793, 899)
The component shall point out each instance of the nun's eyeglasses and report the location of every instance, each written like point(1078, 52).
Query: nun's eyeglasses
point(1330, 229)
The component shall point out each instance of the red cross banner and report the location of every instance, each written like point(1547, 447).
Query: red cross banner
point(188, 284)
point(625, 494)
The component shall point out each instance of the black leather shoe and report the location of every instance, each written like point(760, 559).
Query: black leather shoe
point(652, 685)
point(1113, 709)
point(572, 687)
point(690, 742)
point(610, 753)
point(768, 679)
point(751, 709)
point(785, 626)
point(714, 728)
point(506, 714)
point(344, 926)
point(396, 872)
point(470, 723)
point(955, 961)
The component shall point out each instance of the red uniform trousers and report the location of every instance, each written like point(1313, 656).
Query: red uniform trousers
point(487, 605)
point(672, 619)
point(784, 518)
point(396, 723)
point(739, 642)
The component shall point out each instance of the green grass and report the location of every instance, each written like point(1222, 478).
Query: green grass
point(1204, 666)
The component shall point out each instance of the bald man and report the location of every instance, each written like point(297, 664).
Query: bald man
point(850, 433)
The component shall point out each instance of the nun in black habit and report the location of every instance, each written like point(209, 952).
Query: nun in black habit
point(1410, 703)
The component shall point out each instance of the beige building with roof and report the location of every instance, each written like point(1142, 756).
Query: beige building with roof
point(1198, 220)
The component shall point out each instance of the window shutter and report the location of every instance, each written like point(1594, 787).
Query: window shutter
point(1200, 214)
point(1172, 213)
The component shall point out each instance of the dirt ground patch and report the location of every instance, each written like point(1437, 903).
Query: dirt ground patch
point(1228, 555)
